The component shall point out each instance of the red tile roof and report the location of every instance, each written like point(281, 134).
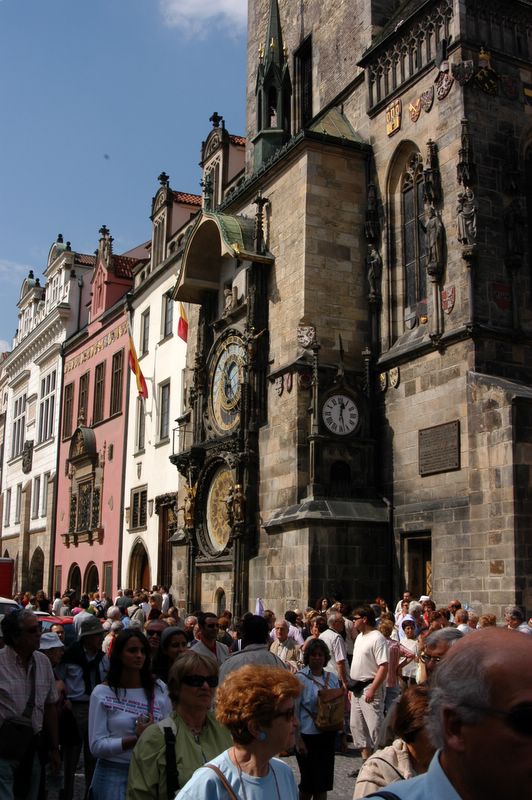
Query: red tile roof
point(240, 140)
point(189, 199)
point(123, 266)
point(83, 258)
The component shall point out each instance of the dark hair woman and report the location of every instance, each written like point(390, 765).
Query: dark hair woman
point(173, 644)
point(120, 710)
point(314, 748)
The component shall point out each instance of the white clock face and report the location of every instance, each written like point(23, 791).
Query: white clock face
point(340, 414)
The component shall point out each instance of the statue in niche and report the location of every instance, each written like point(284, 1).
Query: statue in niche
point(188, 506)
point(238, 504)
point(514, 226)
point(434, 243)
point(230, 299)
point(374, 270)
point(466, 217)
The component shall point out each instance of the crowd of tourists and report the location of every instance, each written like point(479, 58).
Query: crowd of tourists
point(155, 705)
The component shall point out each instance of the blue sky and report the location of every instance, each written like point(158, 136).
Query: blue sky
point(97, 98)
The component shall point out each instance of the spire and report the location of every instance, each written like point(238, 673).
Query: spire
point(273, 49)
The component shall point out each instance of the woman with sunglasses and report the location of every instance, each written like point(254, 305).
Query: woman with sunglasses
point(168, 753)
point(257, 704)
point(120, 710)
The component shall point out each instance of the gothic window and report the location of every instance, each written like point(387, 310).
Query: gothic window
point(158, 241)
point(47, 407)
point(303, 71)
point(18, 503)
point(19, 425)
point(117, 369)
point(68, 408)
point(83, 399)
point(140, 433)
point(7, 507)
point(36, 496)
point(45, 482)
point(84, 506)
point(139, 502)
point(412, 223)
point(99, 389)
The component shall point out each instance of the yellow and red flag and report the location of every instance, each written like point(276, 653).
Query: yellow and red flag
point(136, 370)
point(182, 325)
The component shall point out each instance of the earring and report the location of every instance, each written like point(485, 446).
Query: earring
point(262, 736)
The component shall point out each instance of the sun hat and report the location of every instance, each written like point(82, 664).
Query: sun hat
point(49, 641)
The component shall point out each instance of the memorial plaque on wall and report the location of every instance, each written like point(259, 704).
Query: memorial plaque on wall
point(439, 448)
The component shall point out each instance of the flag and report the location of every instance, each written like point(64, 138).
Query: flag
point(136, 370)
point(182, 325)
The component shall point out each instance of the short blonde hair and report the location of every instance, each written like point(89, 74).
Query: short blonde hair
point(253, 693)
point(187, 664)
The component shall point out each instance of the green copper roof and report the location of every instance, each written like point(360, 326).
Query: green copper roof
point(334, 123)
point(237, 232)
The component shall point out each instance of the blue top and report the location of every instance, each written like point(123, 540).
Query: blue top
point(433, 785)
point(308, 699)
point(278, 784)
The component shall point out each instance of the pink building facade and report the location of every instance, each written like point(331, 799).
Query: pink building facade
point(91, 468)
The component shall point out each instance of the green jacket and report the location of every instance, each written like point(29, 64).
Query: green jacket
point(147, 771)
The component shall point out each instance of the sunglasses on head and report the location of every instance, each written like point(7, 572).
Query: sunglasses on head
point(198, 680)
point(425, 658)
point(519, 718)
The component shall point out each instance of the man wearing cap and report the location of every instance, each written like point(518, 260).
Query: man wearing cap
point(480, 720)
point(84, 667)
point(27, 685)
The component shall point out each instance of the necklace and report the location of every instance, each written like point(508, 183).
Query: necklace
point(241, 776)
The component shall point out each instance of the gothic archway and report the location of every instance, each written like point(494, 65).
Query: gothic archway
point(36, 571)
point(92, 580)
point(139, 567)
point(74, 580)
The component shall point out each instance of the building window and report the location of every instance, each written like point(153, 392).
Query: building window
point(139, 502)
point(45, 482)
point(164, 410)
point(140, 437)
point(413, 224)
point(144, 332)
point(168, 315)
point(83, 399)
point(84, 506)
point(117, 369)
point(47, 407)
point(303, 70)
point(36, 498)
point(68, 409)
point(7, 507)
point(19, 425)
point(99, 387)
point(18, 503)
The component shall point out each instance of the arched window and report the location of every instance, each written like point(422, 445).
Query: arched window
point(413, 224)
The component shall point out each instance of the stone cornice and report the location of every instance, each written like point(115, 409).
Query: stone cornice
point(49, 332)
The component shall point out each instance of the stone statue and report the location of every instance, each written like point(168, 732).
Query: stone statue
point(466, 217)
point(238, 504)
point(434, 243)
point(374, 270)
point(188, 506)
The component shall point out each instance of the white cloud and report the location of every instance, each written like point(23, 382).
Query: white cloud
point(12, 271)
point(196, 18)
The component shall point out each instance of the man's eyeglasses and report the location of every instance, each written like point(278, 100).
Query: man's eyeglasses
point(519, 718)
point(154, 633)
point(198, 680)
point(211, 625)
point(288, 714)
point(355, 618)
point(425, 658)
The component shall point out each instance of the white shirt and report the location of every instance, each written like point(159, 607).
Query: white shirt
point(112, 717)
point(370, 652)
point(337, 647)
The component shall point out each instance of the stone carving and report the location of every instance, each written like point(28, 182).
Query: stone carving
point(188, 506)
point(463, 71)
point(427, 99)
point(465, 169)
point(306, 335)
point(431, 175)
point(238, 504)
point(448, 298)
point(466, 217)
point(27, 456)
point(374, 271)
point(371, 224)
point(434, 243)
point(279, 385)
point(486, 78)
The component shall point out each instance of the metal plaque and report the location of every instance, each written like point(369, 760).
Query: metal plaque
point(439, 448)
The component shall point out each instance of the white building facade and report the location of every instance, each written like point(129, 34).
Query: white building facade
point(32, 379)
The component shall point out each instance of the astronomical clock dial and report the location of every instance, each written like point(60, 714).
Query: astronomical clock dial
point(218, 529)
point(227, 368)
point(340, 414)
